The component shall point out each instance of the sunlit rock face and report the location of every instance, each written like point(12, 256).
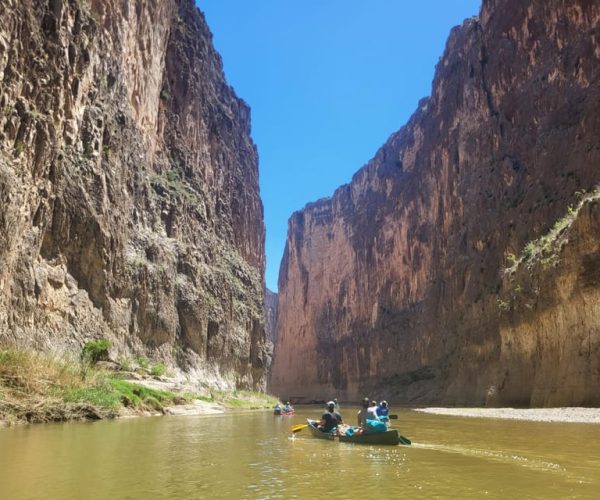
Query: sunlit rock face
point(398, 285)
point(129, 188)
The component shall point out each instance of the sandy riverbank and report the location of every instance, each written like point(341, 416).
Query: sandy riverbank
point(571, 415)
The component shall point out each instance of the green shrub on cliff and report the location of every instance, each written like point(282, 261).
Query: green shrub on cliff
point(19, 148)
point(142, 362)
point(158, 370)
point(503, 305)
point(171, 183)
point(95, 350)
point(546, 248)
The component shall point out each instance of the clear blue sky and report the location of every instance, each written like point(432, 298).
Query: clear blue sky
point(328, 81)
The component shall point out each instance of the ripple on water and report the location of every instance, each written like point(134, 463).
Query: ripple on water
point(499, 456)
point(249, 456)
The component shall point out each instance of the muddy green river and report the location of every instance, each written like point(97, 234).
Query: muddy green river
point(253, 455)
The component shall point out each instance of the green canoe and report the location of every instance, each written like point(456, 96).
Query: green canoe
point(312, 425)
point(389, 437)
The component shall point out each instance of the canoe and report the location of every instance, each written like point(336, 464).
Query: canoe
point(390, 436)
point(312, 426)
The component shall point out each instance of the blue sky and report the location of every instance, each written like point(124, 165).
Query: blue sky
point(328, 81)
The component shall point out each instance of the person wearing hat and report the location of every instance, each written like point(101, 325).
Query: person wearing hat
point(367, 412)
point(368, 420)
point(382, 409)
point(331, 419)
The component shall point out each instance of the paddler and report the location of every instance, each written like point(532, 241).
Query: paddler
point(367, 412)
point(331, 419)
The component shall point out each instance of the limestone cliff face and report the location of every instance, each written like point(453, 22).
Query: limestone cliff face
point(129, 188)
point(396, 286)
point(271, 306)
point(271, 315)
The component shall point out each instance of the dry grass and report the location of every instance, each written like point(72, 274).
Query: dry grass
point(32, 388)
point(45, 410)
point(38, 388)
point(35, 374)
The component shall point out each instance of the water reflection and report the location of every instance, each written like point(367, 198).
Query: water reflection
point(255, 456)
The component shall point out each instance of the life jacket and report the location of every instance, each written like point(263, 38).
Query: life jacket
point(375, 426)
point(382, 412)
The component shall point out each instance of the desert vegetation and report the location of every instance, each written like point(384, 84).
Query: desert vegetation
point(38, 388)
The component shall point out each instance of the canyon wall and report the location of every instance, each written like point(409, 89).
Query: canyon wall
point(271, 305)
point(129, 200)
point(461, 264)
point(271, 316)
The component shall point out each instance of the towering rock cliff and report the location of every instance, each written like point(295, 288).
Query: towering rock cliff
point(129, 202)
point(271, 306)
point(271, 315)
point(461, 264)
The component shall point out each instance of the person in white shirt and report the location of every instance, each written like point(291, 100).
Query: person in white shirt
point(368, 411)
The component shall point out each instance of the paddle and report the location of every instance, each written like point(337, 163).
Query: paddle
point(298, 427)
point(403, 440)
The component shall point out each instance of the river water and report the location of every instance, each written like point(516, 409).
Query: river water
point(254, 455)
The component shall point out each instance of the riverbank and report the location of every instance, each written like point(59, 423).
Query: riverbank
point(37, 388)
point(567, 415)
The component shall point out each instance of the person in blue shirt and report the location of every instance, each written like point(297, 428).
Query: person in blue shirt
point(382, 409)
point(288, 408)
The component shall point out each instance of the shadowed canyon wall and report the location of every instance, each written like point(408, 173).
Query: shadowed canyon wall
point(270, 325)
point(129, 201)
point(271, 315)
point(461, 265)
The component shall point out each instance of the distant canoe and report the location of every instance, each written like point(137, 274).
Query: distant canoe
point(390, 436)
point(284, 413)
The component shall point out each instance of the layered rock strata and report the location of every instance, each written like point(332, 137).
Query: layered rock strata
point(407, 282)
point(129, 193)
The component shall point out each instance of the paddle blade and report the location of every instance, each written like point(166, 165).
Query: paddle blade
point(298, 427)
point(405, 440)
point(393, 417)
